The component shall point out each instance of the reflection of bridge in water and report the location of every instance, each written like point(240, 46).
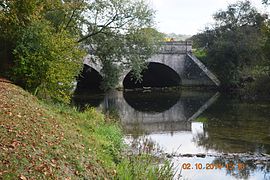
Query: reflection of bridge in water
point(177, 117)
point(172, 66)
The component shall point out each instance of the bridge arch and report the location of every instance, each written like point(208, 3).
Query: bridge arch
point(156, 75)
point(89, 80)
point(178, 57)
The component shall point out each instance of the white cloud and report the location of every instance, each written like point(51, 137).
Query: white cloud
point(188, 16)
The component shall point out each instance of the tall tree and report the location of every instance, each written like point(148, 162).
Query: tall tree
point(235, 42)
point(119, 33)
point(35, 53)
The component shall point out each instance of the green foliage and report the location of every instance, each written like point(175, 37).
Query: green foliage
point(119, 33)
point(44, 58)
point(65, 15)
point(46, 62)
point(30, 69)
point(144, 167)
point(234, 43)
point(117, 16)
point(14, 16)
point(124, 50)
point(202, 119)
point(142, 44)
point(38, 41)
point(110, 75)
point(201, 54)
point(260, 86)
point(266, 48)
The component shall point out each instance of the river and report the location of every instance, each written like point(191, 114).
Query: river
point(207, 135)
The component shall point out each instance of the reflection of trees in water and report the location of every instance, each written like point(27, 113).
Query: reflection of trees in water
point(143, 144)
point(217, 139)
point(136, 131)
point(234, 126)
point(243, 168)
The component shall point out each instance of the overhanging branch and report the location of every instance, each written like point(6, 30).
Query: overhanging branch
point(99, 31)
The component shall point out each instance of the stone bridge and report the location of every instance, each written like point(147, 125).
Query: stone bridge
point(174, 65)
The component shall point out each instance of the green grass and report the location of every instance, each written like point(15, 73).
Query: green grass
point(202, 120)
point(144, 166)
point(50, 141)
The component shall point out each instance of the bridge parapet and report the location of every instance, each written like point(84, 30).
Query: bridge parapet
point(176, 47)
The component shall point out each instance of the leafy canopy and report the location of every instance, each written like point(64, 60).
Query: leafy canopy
point(43, 37)
point(234, 43)
point(120, 35)
point(42, 57)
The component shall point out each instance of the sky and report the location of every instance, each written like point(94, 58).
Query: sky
point(190, 16)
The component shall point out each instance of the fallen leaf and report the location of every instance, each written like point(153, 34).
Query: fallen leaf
point(22, 177)
point(14, 144)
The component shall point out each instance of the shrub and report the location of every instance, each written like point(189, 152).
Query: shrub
point(46, 62)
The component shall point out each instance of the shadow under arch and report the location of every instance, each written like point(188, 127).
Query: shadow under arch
point(154, 102)
point(156, 75)
point(89, 80)
point(88, 91)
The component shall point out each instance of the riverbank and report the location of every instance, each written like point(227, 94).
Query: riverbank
point(41, 140)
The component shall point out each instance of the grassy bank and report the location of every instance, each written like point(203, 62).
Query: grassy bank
point(49, 141)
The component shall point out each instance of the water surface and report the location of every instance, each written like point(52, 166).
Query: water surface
point(197, 128)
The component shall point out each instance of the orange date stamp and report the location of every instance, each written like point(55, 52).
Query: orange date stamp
point(211, 166)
